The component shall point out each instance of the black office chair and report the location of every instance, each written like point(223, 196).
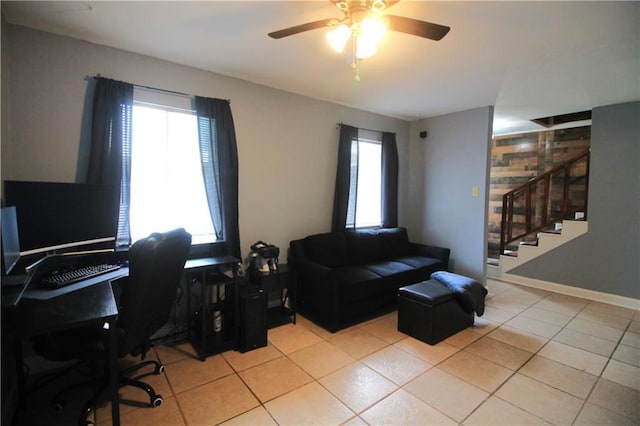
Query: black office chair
point(156, 264)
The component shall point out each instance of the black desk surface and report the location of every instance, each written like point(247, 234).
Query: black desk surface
point(37, 292)
point(89, 305)
point(74, 309)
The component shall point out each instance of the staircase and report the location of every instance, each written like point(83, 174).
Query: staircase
point(542, 214)
point(546, 241)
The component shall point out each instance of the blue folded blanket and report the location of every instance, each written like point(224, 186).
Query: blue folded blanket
point(468, 291)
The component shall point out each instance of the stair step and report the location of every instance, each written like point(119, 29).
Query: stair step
point(548, 241)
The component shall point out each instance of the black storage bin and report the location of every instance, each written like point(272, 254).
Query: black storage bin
point(429, 312)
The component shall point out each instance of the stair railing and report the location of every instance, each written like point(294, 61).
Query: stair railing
point(537, 194)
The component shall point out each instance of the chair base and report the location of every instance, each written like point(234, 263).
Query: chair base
point(155, 399)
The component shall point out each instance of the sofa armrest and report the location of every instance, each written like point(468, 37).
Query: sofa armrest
point(317, 293)
point(440, 253)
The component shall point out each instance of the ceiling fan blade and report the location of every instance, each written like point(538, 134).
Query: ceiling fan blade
point(301, 28)
point(415, 27)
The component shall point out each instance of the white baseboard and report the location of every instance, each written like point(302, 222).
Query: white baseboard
point(596, 296)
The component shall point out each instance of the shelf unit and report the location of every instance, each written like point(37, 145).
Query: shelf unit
point(212, 304)
point(279, 287)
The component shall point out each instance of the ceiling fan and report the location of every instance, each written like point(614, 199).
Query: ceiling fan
point(356, 11)
point(365, 24)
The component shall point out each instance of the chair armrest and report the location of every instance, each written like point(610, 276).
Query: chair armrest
point(440, 253)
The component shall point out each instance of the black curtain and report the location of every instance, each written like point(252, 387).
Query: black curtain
point(389, 181)
point(345, 186)
point(110, 154)
point(219, 156)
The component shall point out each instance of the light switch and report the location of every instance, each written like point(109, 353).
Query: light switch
point(475, 191)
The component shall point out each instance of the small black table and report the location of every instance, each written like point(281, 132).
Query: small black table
point(89, 305)
point(212, 325)
point(280, 282)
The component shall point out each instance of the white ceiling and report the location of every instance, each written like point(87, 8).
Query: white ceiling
point(529, 59)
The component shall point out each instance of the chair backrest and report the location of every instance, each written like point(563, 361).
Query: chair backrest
point(156, 265)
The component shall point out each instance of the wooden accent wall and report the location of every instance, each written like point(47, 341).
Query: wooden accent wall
point(517, 158)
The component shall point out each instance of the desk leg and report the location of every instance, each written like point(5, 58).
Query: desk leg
point(20, 379)
point(113, 374)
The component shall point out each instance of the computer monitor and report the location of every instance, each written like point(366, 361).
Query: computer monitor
point(10, 241)
point(56, 217)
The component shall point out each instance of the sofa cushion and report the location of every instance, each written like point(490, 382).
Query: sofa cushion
point(424, 266)
point(394, 274)
point(357, 283)
point(363, 246)
point(328, 249)
point(394, 242)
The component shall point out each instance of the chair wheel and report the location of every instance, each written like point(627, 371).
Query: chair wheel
point(58, 407)
point(89, 423)
point(160, 369)
point(157, 401)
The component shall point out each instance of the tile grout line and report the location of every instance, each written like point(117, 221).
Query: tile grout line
point(533, 354)
point(600, 377)
point(494, 392)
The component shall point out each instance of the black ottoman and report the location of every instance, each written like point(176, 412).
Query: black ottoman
point(430, 312)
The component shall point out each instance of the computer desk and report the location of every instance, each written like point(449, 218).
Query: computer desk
point(89, 305)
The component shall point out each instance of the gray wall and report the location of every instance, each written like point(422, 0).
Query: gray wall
point(445, 166)
point(287, 144)
point(5, 155)
point(606, 259)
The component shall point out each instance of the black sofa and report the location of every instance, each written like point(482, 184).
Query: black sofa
point(347, 277)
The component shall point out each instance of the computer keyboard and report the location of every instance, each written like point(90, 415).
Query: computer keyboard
point(57, 279)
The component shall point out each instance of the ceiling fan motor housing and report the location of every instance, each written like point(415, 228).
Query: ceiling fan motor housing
point(375, 5)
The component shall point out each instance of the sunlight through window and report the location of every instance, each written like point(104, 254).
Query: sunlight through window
point(167, 187)
point(368, 201)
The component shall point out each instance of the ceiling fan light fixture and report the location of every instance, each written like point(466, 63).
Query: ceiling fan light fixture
point(370, 34)
point(365, 48)
point(338, 37)
point(373, 29)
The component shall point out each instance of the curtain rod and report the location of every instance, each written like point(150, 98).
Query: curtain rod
point(173, 92)
point(362, 128)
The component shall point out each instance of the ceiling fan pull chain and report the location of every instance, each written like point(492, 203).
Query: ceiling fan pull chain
point(354, 58)
point(355, 61)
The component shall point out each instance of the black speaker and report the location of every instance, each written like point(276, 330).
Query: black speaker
point(423, 134)
point(253, 320)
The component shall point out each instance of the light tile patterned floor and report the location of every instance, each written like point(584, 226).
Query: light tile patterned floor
point(535, 357)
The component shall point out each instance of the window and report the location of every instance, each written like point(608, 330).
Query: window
point(365, 193)
point(167, 186)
